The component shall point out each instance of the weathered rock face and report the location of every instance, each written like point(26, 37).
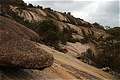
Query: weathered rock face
point(75, 49)
point(14, 2)
point(10, 29)
point(81, 29)
point(62, 20)
point(23, 53)
point(16, 49)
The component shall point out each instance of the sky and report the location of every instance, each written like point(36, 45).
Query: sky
point(105, 12)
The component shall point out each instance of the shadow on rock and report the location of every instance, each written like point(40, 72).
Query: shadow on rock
point(15, 73)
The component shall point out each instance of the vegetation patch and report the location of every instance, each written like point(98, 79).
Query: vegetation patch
point(109, 51)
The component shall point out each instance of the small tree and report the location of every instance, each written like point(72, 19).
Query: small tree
point(30, 6)
point(69, 13)
point(40, 7)
point(50, 33)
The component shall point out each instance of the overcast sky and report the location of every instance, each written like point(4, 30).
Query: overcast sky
point(105, 12)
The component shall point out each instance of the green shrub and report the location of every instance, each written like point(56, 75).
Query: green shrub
point(87, 57)
point(30, 6)
point(50, 33)
point(48, 25)
point(115, 32)
point(109, 56)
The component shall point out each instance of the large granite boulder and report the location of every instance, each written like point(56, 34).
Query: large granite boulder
point(22, 53)
point(10, 29)
point(17, 50)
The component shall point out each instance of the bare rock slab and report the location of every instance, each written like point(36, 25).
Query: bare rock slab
point(17, 50)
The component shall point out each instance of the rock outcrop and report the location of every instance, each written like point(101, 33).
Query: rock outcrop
point(78, 30)
point(62, 20)
point(21, 53)
point(17, 50)
point(11, 29)
point(65, 67)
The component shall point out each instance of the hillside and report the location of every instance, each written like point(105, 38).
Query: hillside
point(43, 44)
point(64, 66)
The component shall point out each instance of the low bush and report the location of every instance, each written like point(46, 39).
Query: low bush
point(48, 31)
point(87, 57)
point(109, 55)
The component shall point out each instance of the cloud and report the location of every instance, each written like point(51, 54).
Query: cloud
point(105, 12)
point(62, 5)
point(68, 0)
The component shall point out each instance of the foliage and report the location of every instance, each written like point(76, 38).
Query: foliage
point(13, 2)
point(109, 51)
point(87, 56)
point(97, 25)
point(109, 55)
point(115, 32)
point(88, 37)
point(16, 17)
point(40, 7)
point(47, 30)
point(30, 6)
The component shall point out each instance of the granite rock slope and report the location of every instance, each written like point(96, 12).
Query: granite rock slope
point(17, 50)
point(20, 54)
